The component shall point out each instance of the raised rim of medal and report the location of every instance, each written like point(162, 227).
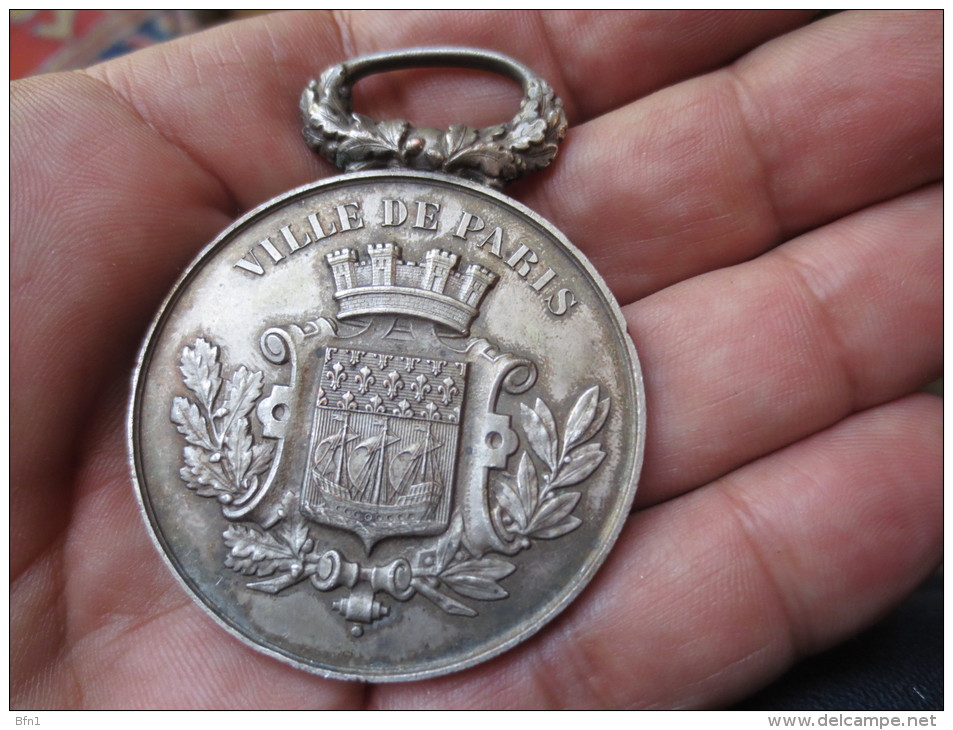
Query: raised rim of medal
point(397, 674)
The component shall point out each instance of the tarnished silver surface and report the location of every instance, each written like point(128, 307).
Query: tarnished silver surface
point(387, 425)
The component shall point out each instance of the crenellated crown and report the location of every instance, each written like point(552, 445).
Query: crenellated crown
point(383, 283)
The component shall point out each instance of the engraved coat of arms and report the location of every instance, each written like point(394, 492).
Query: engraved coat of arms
point(385, 425)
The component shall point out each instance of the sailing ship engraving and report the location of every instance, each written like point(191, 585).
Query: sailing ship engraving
point(381, 464)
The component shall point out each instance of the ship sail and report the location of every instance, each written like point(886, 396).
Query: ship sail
point(330, 455)
point(367, 467)
point(415, 472)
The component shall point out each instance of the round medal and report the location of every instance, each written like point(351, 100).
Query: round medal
point(389, 424)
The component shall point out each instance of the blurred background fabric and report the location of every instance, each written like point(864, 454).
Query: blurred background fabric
point(61, 40)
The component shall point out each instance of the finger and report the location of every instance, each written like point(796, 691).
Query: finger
point(94, 243)
point(745, 360)
point(838, 115)
point(230, 96)
point(712, 595)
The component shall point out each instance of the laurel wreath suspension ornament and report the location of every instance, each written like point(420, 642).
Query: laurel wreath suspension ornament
point(223, 460)
point(493, 156)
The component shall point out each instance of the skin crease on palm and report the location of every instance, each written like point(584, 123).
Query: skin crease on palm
point(761, 192)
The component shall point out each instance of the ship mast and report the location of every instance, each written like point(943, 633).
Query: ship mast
point(379, 476)
point(339, 469)
point(423, 456)
point(370, 478)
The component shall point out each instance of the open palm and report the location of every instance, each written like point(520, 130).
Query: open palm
point(761, 194)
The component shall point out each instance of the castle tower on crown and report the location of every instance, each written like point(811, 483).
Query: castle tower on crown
point(385, 284)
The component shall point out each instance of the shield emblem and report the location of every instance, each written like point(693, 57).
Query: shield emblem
point(369, 426)
point(383, 443)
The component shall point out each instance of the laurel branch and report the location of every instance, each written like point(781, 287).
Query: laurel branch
point(222, 459)
point(526, 506)
point(283, 556)
point(532, 504)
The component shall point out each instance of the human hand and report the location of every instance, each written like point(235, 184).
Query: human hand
point(771, 226)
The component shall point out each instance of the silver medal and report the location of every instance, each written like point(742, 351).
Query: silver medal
point(389, 424)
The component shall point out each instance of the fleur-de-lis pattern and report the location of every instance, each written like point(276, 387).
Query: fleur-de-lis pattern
point(431, 412)
point(335, 375)
point(403, 409)
point(393, 383)
point(375, 382)
point(420, 387)
point(364, 379)
point(447, 389)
